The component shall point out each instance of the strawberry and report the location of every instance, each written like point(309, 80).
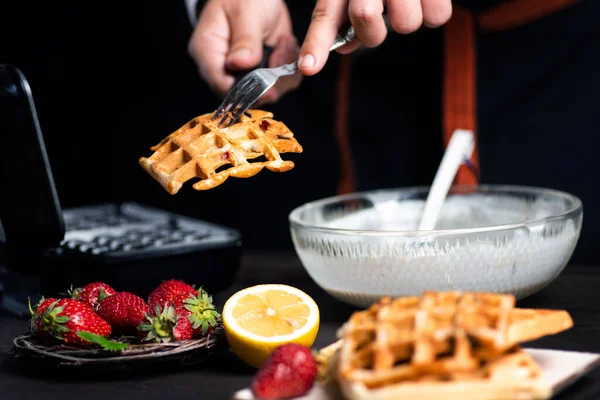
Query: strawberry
point(36, 314)
point(165, 325)
point(63, 319)
point(289, 371)
point(167, 291)
point(199, 309)
point(124, 311)
point(92, 293)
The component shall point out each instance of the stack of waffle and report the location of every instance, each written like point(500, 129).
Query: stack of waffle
point(442, 346)
point(201, 149)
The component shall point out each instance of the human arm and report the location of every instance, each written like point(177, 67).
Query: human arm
point(229, 36)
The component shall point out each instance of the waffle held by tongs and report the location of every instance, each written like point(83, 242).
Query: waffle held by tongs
point(200, 149)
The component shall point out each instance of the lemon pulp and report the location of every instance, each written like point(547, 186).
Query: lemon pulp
point(271, 313)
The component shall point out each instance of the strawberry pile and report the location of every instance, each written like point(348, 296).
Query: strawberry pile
point(175, 311)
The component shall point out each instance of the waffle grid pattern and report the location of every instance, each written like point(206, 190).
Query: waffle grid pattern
point(442, 337)
point(200, 149)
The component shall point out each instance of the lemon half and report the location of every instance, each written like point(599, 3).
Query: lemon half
point(261, 318)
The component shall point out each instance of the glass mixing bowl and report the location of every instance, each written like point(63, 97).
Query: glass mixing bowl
point(503, 239)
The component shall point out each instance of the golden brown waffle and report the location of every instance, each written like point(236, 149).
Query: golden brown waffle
point(445, 345)
point(200, 148)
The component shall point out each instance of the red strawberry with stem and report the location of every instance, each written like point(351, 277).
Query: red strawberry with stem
point(92, 293)
point(36, 314)
point(124, 311)
point(165, 325)
point(165, 292)
point(289, 371)
point(199, 309)
point(63, 319)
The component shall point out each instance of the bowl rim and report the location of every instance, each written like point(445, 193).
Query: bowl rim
point(575, 209)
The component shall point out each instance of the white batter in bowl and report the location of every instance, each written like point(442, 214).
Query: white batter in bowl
point(506, 239)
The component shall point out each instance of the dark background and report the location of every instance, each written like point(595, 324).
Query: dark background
point(111, 78)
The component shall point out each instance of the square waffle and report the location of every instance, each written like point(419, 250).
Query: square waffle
point(199, 148)
point(443, 346)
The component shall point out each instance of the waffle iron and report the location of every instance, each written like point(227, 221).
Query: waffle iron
point(44, 248)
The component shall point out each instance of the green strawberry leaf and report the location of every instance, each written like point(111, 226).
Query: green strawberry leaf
point(157, 310)
point(145, 327)
point(195, 321)
point(61, 319)
point(53, 310)
point(103, 342)
point(72, 293)
point(190, 307)
point(61, 328)
point(102, 295)
point(31, 311)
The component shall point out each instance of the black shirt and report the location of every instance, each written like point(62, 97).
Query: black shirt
point(478, 5)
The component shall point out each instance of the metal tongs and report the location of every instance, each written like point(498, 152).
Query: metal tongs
point(253, 85)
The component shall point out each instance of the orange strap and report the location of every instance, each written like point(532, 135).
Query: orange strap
point(347, 182)
point(460, 93)
point(514, 13)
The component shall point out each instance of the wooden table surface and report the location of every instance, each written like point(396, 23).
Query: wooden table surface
point(577, 290)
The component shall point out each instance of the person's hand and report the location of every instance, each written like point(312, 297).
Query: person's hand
point(229, 36)
point(366, 16)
